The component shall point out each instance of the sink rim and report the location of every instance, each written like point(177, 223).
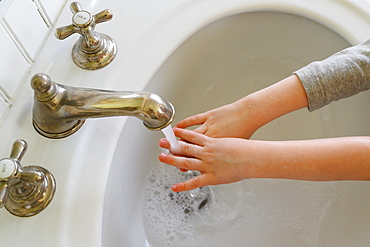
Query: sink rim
point(151, 37)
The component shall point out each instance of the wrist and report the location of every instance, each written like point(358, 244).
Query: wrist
point(250, 112)
point(258, 110)
point(275, 101)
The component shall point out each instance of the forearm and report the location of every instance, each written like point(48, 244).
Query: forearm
point(314, 160)
point(276, 100)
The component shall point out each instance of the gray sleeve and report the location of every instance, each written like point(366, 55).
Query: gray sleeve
point(341, 75)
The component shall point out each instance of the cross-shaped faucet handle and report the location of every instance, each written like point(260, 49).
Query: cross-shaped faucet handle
point(93, 50)
point(24, 191)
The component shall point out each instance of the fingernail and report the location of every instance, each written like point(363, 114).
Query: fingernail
point(175, 187)
point(162, 156)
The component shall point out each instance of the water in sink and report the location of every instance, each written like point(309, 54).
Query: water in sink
point(168, 215)
point(192, 218)
point(235, 211)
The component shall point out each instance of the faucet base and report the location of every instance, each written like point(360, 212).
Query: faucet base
point(64, 134)
point(26, 199)
point(88, 59)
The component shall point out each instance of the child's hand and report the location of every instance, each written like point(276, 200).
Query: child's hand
point(232, 120)
point(219, 160)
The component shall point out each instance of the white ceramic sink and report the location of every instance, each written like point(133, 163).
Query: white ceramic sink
point(111, 190)
point(222, 62)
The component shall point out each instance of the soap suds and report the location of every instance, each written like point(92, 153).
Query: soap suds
point(178, 219)
point(167, 215)
point(258, 211)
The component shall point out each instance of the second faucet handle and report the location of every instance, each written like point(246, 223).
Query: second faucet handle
point(84, 23)
point(24, 191)
point(93, 50)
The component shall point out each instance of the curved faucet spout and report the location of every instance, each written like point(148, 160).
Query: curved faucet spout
point(60, 110)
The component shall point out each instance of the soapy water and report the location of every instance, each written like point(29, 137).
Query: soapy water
point(177, 219)
point(173, 219)
point(255, 211)
point(167, 214)
point(258, 211)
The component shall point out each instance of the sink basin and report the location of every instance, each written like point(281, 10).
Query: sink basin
point(112, 191)
point(219, 64)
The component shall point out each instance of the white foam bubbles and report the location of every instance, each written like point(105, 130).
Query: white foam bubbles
point(167, 215)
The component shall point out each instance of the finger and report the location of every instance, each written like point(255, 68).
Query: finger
point(191, 121)
point(191, 184)
point(164, 143)
point(184, 163)
point(190, 136)
point(183, 149)
point(201, 129)
point(189, 150)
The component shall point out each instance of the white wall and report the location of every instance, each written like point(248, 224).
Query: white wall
point(24, 26)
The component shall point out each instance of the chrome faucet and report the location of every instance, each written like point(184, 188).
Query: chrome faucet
point(60, 110)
